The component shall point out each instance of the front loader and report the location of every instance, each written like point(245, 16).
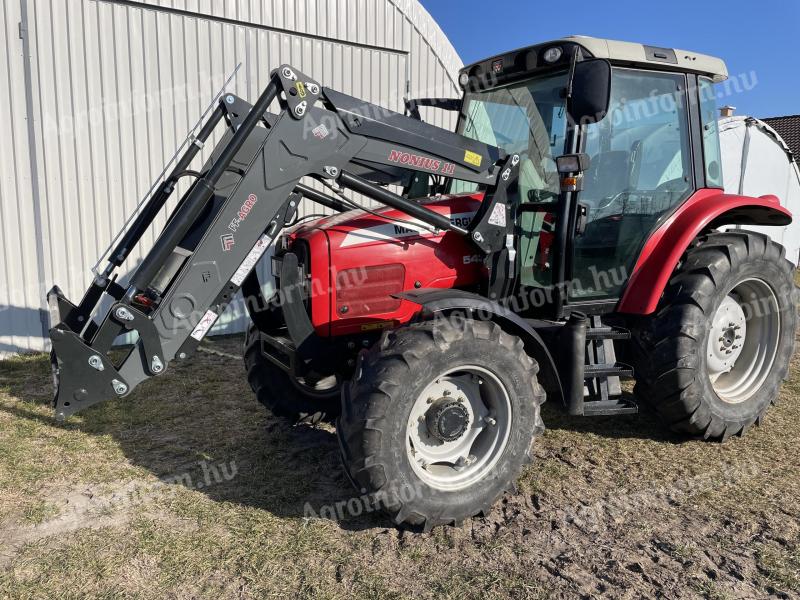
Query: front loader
point(565, 237)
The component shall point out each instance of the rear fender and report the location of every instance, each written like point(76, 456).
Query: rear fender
point(706, 209)
point(442, 302)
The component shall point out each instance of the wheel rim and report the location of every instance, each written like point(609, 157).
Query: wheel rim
point(743, 341)
point(326, 387)
point(468, 397)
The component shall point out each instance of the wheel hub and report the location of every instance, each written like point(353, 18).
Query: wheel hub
point(447, 420)
point(728, 330)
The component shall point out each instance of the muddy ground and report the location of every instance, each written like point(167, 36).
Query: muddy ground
point(189, 490)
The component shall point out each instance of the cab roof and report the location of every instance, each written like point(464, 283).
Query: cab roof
point(641, 54)
point(619, 53)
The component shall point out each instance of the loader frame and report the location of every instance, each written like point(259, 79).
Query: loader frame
point(235, 209)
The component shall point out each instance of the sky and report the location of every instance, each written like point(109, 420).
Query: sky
point(758, 39)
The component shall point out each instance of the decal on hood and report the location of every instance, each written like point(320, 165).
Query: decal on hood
point(395, 231)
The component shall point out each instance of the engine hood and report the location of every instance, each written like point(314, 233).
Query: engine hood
point(392, 252)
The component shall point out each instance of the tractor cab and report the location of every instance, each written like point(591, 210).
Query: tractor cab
point(643, 122)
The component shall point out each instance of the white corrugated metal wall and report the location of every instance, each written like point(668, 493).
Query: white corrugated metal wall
point(98, 94)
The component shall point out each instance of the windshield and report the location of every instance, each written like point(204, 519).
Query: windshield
point(529, 118)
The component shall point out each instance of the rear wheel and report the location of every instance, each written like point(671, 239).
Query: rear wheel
point(299, 400)
point(439, 420)
point(713, 357)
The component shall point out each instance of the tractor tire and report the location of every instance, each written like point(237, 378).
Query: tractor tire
point(284, 395)
point(712, 358)
point(439, 420)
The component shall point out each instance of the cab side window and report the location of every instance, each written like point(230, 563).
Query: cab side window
point(711, 146)
point(641, 168)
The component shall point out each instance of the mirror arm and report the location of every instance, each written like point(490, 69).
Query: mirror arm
point(571, 79)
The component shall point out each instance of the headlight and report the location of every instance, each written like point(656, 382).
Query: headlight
point(463, 79)
point(551, 55)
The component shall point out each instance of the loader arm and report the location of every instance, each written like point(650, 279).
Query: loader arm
point(235, 209)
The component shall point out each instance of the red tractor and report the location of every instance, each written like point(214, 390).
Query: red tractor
point(569, 234)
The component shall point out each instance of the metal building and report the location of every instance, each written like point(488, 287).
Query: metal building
point(96, 96)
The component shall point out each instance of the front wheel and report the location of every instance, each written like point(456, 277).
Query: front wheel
point(439, 420)
point(284, 395)
point(713, 357)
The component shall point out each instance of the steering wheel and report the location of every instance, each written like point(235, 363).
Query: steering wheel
point(671, 185)
point(612, 199)
point(541, 195)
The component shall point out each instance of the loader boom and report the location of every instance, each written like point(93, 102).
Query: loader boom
point(246, 193)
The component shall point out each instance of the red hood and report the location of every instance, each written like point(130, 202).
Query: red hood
point(389, 240)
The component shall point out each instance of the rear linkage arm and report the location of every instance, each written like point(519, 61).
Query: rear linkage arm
point(248, 191)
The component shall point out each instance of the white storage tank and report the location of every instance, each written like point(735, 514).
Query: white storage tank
point(756, 162)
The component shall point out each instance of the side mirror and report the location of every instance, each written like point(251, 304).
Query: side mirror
point(591, 91)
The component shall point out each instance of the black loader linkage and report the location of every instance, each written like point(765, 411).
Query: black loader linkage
point(235, 209)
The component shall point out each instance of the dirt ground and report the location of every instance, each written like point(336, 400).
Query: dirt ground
point(188, 489)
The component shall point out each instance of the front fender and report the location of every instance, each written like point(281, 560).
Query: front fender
point(706, 209)
point(444, 301)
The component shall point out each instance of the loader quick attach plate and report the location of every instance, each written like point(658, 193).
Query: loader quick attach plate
point(82, 376)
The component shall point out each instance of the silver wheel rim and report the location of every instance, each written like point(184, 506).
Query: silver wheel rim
point(458, 464)
point(743, 341)
point(326, 387)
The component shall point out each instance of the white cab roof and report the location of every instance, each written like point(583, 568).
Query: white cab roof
point(647, 55)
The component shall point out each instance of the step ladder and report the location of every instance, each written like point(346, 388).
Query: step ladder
point(592, 387)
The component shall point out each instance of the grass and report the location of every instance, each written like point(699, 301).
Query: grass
point(189, 490)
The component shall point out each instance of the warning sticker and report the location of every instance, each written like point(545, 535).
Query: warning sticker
point(251, 259)
point(473, 158)
point(498, 216)
point(204, 325)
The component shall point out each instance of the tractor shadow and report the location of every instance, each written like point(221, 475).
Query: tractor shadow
point(211, 437)
point(645, 425)
point(199, 427)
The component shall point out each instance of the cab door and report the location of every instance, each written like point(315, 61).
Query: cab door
point(641, 169)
